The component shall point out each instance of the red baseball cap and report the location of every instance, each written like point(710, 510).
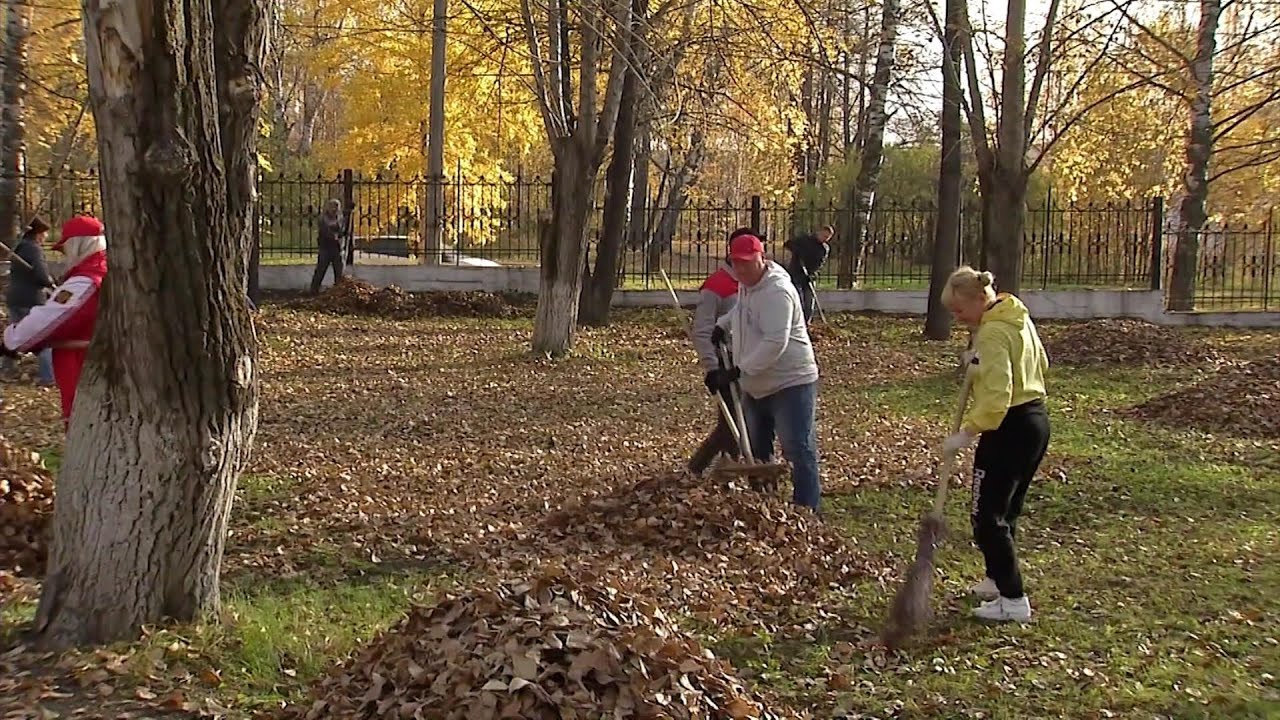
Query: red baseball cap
point(745, 247)
point(79, 226)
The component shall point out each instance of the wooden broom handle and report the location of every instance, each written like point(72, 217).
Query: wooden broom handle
point(948, 464)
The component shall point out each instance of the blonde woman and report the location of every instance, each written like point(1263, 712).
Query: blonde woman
point(1008, 419)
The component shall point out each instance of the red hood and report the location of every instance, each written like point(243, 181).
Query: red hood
point(94, 266)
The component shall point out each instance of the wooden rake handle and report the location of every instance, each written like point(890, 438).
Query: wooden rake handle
point(724, 407)
point(948, 464)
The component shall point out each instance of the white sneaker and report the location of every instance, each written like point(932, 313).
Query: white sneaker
point(986, 589)
point(1002, 609)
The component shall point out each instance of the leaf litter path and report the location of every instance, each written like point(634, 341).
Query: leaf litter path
point(442, 441)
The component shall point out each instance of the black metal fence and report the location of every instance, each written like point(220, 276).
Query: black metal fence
point(1116, 245)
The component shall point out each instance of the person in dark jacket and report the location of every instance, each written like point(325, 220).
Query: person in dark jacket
point(808, 253)
point(330, 241)
point(29, 287)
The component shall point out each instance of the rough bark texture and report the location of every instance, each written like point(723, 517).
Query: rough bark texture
point(564, 254)
point(167, 406)
point(1008, 197)
point(1195, 193)
point(13, 129)
point(946, 231)
point(873, 151)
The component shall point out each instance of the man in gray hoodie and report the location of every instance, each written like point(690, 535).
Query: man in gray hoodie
point(774, 362)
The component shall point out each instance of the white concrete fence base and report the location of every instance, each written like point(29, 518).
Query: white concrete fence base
point(1147, 305)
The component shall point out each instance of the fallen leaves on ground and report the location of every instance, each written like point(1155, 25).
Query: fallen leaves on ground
point(352, 296)
point(388, 444)
point(560, 646)
point(1126, 343)
point(1241, 399)
point(26, 507)
point(727, 556)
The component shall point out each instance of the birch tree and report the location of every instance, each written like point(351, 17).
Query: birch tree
point(13, 129)
point(167, 406)
point(872, 155)
point(1199, 150)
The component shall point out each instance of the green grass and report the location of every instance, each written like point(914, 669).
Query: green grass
point(1150, 563)
point(276, 639)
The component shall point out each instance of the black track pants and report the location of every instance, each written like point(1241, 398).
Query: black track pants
point(719, 441)
point(1003, 464)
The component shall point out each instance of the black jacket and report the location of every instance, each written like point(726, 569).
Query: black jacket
point(808, 253)
point(28, 288)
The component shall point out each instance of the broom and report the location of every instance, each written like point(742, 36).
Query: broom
point(912, 606)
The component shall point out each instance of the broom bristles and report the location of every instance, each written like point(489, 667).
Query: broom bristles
point(912, 607)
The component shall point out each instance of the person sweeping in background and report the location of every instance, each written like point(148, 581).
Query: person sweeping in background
point(29, 286)
point(808, 253)
point(1009, 420)
point(329, 245)
point(716, 296)
point(66, 322)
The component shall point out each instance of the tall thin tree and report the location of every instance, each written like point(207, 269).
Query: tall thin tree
point(13, 127)
point(946, 230)
point(872, 156)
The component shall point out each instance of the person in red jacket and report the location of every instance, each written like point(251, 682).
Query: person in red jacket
point(65, 323)
point(717, 294)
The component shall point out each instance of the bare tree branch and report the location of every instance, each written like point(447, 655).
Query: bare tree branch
point(1225, 125)
point(1042, 68)
point(1256, 161)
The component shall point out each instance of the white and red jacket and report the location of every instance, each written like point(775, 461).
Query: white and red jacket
point(65, 323)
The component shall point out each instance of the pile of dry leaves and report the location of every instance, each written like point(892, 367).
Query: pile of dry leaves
point(356, 297)
point(1130, 343)
point(26, 506)
point(1241, 399)
point(553, 648)
point(728, 556)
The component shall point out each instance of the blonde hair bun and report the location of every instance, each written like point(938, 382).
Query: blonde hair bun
point(969, 283)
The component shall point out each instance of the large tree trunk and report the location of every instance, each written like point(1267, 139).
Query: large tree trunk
point(1008, 196)
point(873, 152)
point(1006, 215)
point(564, 252)
point(167, 406)
point(597, 291)
point(1192, 212)
point(946, 230)
point(13, 129)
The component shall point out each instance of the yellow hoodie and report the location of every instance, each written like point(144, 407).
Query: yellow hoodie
point(1011, 364)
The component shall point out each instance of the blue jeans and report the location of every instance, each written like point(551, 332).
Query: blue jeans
point(44, 358)
point(790, 413)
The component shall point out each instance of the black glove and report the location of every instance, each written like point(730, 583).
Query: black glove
point(6, 352)
point(720, 379)
point(719, 336)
